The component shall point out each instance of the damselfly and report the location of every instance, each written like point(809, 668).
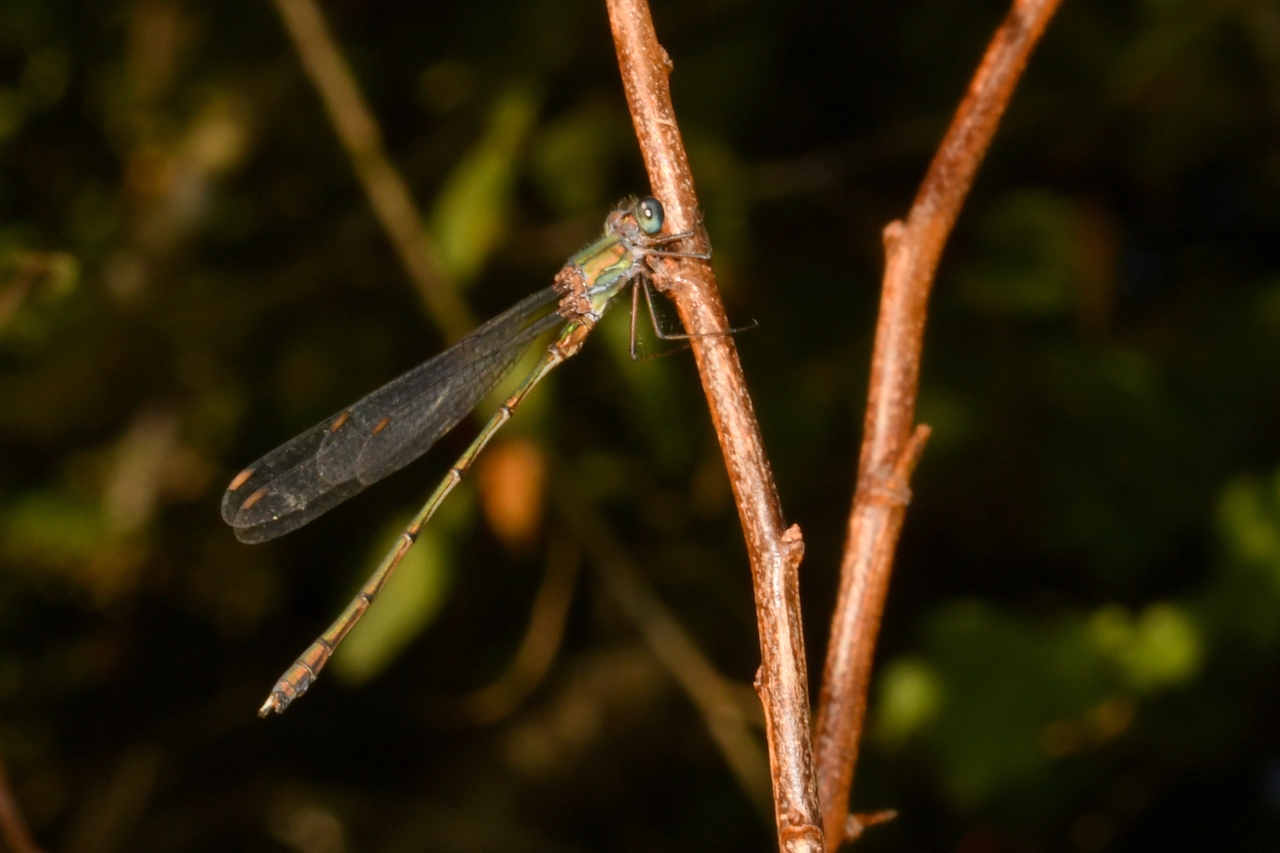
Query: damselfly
point(337, 458)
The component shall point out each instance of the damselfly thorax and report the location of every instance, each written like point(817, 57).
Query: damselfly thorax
point(381, 433)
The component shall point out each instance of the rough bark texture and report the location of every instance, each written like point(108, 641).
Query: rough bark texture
point(775, 550)
point(891, 442)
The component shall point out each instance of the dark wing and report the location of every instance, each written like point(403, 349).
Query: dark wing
point(283, 490)
point(383, 432)
point(398, 423)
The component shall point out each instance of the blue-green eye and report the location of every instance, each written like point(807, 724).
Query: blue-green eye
point(649, 215)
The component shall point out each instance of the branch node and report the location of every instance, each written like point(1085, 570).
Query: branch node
point(856, 824)
point(894, 488)
point(793, 544)
point(910, 456)
point(893, 235)
point(797, 835)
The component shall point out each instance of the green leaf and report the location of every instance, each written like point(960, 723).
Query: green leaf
point(1031, 260)
point(909, 697)
point(471, 211)
point(572, 158)
point(1161, 648)
point(54, 528)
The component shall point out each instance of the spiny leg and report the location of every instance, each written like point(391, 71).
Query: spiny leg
point(306, 668)
point(669, 336)
point(635, 306)
point(643, 281)
point(636, 284)
point(682, 235)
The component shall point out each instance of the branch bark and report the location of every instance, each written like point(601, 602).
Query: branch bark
point(891, 443)
point(775, 550)
point(387, 192)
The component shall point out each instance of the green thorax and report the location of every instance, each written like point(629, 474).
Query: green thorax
point(607, 265)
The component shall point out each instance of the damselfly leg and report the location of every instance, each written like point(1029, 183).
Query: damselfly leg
point(396, 424)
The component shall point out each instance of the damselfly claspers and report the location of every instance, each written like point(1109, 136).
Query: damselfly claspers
point(337, 458)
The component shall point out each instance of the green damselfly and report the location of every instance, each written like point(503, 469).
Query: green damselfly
point(334, 460)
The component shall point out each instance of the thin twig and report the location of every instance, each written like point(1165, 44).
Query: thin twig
point(386, 189)
point(775, 551)
point(712, 694)
point(891, 444)
point(12, 825)
point(537, 651)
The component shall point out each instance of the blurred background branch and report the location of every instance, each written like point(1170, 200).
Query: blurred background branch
point(387, 191)
point(711, 693)
point(536, 653)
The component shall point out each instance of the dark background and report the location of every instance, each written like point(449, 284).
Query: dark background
point(1081, 642)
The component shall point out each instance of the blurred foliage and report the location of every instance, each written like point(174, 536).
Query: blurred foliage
point(1082, 638)
point(467, 220)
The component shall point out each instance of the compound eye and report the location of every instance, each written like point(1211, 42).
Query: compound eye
point(649, 215)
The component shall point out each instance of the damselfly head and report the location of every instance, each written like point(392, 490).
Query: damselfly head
point(648, 214)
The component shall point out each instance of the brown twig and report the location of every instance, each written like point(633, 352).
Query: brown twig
point(386, 189)
point(891, 444)
point(856, 824)
point(775, 551)
point(12, 825)
point(710, 692)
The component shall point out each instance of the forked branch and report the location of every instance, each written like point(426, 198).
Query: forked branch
point(891, 442)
